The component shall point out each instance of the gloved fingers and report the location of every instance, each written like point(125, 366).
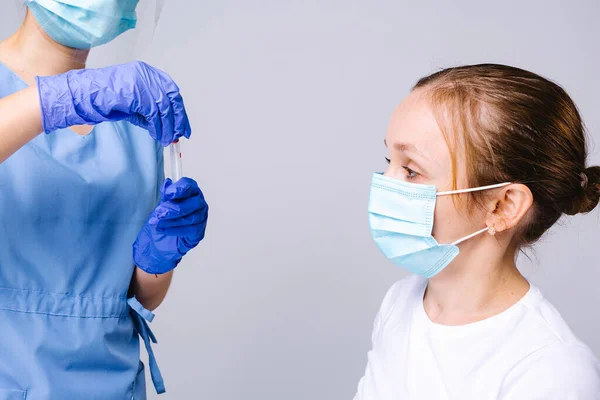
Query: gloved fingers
point(172, 209)
point(156, 253)
point(197, 217)
point(162, 103)
point(185, 187)
point(151, 122)
point(140, 96)
point(167, 182)
point(166, 118)
point(180, 118)
point(181, 123)
point(152, 103)
point(187, 243)
point(187, 129)
point(195, 233)
point(140, 120)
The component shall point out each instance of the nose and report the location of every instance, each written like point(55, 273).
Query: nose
point(394, 173)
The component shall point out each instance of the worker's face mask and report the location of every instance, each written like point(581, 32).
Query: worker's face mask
point(83, 24)
point(401, 220)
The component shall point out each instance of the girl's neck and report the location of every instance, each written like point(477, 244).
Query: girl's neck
point(481, 282)
point(30, 52)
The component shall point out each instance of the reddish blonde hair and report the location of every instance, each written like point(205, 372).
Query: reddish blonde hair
point(516, 126)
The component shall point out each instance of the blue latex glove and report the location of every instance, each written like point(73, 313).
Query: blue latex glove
point(136, 92)
point(175, 227)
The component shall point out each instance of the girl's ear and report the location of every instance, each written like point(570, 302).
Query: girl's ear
point(509, 206)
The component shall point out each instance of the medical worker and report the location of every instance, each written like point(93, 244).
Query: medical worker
point(86, 220)
point(483, 160)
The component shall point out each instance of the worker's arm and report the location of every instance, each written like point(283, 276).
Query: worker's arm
point(150, 289)
point(136, 92)
point(20, 120)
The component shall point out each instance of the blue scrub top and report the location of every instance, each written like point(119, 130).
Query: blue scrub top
point(70, 208)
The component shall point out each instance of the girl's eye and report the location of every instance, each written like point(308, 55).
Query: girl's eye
point(411, 174)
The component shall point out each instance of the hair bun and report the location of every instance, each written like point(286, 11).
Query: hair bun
point(591, 188)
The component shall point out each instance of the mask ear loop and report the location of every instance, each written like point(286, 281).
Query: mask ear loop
point(498, 185)
point(470, 236)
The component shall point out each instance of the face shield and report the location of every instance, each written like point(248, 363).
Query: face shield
point(111, 31)
point(98, 33)
point(134, 44)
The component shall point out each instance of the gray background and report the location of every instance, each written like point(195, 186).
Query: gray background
point(289, 103)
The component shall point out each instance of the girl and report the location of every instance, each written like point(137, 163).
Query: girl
point(483, 160)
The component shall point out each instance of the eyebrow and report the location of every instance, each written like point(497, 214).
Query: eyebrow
point(407, 148)
point(410, 148)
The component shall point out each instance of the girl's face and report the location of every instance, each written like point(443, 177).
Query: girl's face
point(419, 153)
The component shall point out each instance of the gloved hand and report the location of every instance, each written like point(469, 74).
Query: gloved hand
point(175, 227)
point(136, 92)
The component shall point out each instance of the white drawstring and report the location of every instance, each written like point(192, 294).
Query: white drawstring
point(473, 189)
point(470, 236)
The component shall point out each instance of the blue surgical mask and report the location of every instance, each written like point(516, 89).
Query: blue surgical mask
point(83, 24)
point(401, 220)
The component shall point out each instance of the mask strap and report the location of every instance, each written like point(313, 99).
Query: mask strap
point(498, 185)
point(473, 189)
point(470, 236)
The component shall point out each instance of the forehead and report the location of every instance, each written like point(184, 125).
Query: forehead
point(413, 123)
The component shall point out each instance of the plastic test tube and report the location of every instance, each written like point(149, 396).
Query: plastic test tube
point(175, 156)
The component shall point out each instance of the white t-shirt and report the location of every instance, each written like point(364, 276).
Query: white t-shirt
point(524, 353)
